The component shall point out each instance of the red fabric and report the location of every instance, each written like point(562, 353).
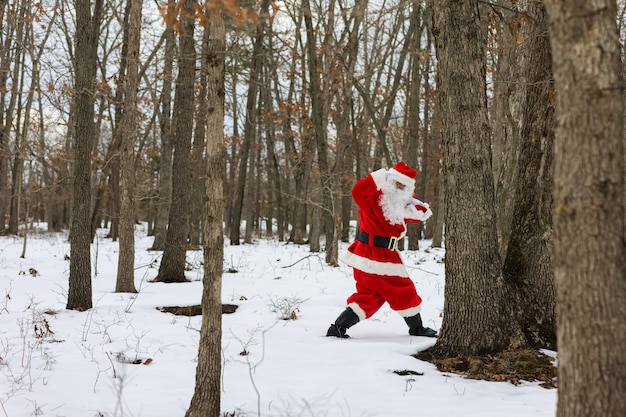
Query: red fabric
point(421, 208)
point(367, 257)
point(379, 272)
point(404, 169)
point(373, 290)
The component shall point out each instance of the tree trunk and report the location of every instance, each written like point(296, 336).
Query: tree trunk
point(13, 44)
point(127, 127)
point(528, 263)
point(299, 161)
point(87, 26)
point(505, 114)
point(411, 143)
point(173, 263)
point(206, 397)
point(330, 204)
point(473, 319)
point(249, 134)
point(589, 255)
point(197, 153)
point(164, 196)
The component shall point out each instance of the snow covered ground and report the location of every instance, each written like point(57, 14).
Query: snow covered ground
point(126, 358)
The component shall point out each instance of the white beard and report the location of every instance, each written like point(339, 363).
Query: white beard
point(393, 202)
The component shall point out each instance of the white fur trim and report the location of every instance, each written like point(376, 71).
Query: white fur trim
point(422, 216)
point(410, 312)
point(403, 179)
point(379, 176)
point(357, 310)
point(414, 213)
point(374, 267)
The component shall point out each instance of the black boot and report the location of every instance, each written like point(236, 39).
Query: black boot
point(346, 319)
point(416, 328)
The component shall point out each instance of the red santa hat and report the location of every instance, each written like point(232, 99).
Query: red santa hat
point(404, 174)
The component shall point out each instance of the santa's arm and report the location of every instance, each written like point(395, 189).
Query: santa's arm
point(418, 211)
point(365, 190)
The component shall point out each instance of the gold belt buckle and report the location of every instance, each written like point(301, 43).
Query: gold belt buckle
point(393, 243)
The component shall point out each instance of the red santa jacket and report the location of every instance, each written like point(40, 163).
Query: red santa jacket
point(365, 256)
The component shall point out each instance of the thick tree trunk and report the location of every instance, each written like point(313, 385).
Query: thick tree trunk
point(173, 263)
point(79, 292)
point(589, 252)
point(528, 263)
point(473, 320)
point(206, 397)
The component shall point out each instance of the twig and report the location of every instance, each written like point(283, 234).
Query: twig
point(423, 270)
point(301, 259)
point(112, 365)
point(4, 409)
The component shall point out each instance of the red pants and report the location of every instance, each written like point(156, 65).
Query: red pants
point(373, 290)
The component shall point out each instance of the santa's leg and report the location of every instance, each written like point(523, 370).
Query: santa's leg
point(416, 328)
point(346, 319)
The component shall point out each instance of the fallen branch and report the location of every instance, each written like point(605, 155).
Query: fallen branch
point(301, 259)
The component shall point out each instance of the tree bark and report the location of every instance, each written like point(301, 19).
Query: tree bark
point(504, 111)
point(206, 397)
point(330, 205)
point(172, 268)
point(249, 134)
point(126, 261)
point(199, 143)
point(164, 195)
point(87, 26)
point(528, 263)
point(473, 319)
point(589, 255)
point(22, 117)
point(411, 145)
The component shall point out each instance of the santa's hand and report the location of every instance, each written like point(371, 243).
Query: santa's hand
point(391, 175)
point(421, 206)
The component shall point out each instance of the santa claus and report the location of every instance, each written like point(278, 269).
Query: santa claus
point(386, 204)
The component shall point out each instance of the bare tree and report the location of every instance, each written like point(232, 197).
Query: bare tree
point(319, 115)
point(474, 319)
point(128, 132)
point(412, 143)
point(206, 398)
point(164, 191)
point(199, 145)
point(528, 253)
point(172, 267)
point(11, 52)
point(589, 253)
point(87, 25)
point(249, 134)
point(299, 158)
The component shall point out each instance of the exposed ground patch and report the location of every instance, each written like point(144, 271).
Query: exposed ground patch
point(512, 366)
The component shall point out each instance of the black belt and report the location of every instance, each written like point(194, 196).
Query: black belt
point(382, 242)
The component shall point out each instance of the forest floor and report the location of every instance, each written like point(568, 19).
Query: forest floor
point(512, 365)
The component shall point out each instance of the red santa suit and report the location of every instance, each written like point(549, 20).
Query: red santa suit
point(379, 271)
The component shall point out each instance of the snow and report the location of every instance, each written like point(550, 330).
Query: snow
point(81, 364)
